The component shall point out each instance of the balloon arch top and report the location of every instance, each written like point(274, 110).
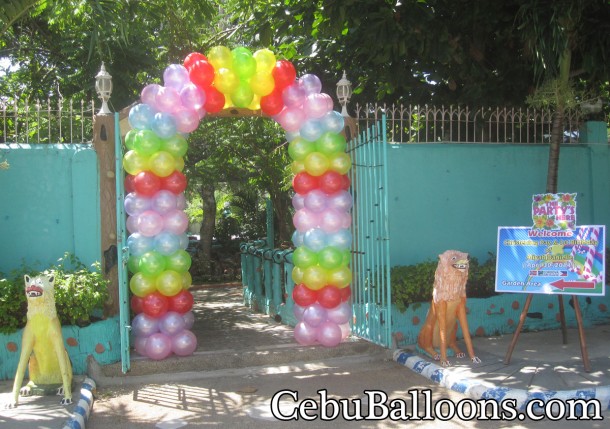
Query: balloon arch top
point(155, 186)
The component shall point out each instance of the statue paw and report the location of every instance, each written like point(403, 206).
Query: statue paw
point(436, 357)
point(66, 401)
point(475, 359)
point(60, 391)
point(25, 391)
point(10, 405)
point(460, 355)
point(446, 363)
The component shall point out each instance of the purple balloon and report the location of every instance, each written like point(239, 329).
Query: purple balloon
point(340, 314)
point(136, 204)
point(139, 244)
point(163, 202)
point(310, 83)
point(305, 334)
point(192, 96)
point(187, 120)
point(132, 224)
point(184, 343)
point(293, 95)
point(171, 323)
point(176, 76)
point(180, 201)
point(144, 326)
point(140, 345)
point(158, 346)
point(341, 201)
point(317, 105)
point(314, 315)
point(291, 118)
point(298, 311)
point(315, 239)
point(150, 223)
point(305, 220)
point(189, 319)
point(149, 93)
point(176, 222)
point(298, 201)
point(331, 221)
point(316, 200)
point(329, 334)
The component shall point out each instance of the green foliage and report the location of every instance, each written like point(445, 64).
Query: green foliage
point(412, 284)
point(79, 294)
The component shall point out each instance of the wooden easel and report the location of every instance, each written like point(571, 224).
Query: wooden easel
point(564, 332)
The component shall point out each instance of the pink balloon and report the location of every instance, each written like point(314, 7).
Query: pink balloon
point(310, 83)
point(140, 345)
point(158, 346)
point(305, 334)
point(341, 201)
point(329, 334)
point(187, 120)
point(317, 105)
point(291, 118)
point(331, 221)
point(176, 222)
point(346, 220)
point(298, 311)
point(164, 201)
point(143, 325)
point(135, 204)
point(132, 224)
point(176, 76)
point(180, 201)
point(316, 201)
point(171, 323)
point(192, 96)
point(150, 223)
point(167, 100)
point(298, 201)
point(189, 319)
point(345, 330)
point(340, 314)
point(293, 95)
point(305, 219)
point(184, 343)
point(149, 93)
point(314, 315)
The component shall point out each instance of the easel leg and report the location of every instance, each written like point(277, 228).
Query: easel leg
point(522, 317)
point(562, 319)
point(581, 336)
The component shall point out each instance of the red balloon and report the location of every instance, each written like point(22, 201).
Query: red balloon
point(192, 58)
point(346, 292)
point(201, 73)
point(329, 296)
point(214, 100)
point(273, 103)
point(346, 182)
point(175, 182)
point(331, 182)
point(283, 73)
point(147, 183)
point(137, 304)
point(181, 302)
point(128, 183)
point(305, 182)
point(303, 296)
point(155, 304)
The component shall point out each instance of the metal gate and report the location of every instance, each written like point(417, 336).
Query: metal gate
point(371, 290)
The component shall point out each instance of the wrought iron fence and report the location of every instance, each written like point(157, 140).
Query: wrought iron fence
point(61, 121)
point(422, 124)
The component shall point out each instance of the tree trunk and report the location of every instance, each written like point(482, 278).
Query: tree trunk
point(207, 228)
point(556, 139)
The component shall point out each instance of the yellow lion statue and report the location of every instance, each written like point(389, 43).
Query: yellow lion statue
point(448, 307)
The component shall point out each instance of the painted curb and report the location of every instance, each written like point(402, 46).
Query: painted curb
point(82, 409)
point(477, 389)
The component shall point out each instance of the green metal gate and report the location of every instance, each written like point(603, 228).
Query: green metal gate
point(371, 292)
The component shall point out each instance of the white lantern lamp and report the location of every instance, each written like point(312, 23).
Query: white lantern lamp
point(103, 87)
point(344, 93)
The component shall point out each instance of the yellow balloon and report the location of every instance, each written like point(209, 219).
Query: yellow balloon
point(256, 103)
point(169, 283)
point(316, 163)
point(226, 80)
point(219, 57)
point(340, 162)
point(297, 275)
point(262, 83)
point(179, 163)
point(162, 164)
point(265, 60)
point(340, 277)
point(134, 163)
point(141, 284)
point(315, 277)
point(187, 280)
point(297, 167)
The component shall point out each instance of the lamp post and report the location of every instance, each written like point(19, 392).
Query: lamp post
point(103, 87)
point(344, 93)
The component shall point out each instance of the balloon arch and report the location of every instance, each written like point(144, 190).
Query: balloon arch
point(155, 186)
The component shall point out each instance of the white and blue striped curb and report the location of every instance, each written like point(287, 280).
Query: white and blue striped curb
point(477, 389)
point(83, 408)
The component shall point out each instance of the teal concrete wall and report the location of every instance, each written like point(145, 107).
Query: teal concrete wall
point(454, 196)
point(49, 205)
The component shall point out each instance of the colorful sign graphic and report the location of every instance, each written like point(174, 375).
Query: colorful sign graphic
point(554, 212)
point(551, 261)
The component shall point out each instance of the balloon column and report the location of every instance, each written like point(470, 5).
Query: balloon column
point(155, 184)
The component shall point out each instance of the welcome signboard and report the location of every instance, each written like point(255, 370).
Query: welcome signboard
point(554, 256)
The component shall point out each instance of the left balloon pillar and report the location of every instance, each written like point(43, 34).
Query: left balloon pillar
point(155, 202)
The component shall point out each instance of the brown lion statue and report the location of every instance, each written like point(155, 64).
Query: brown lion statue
point(448, 306)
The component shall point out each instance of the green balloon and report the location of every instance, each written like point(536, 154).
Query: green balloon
point(152, 263)
point(130, 138)
point(303, 257)
point(133, 264)
point(244, 63)
point(330, 143)
point(179, 261)
point(330, 258)
point(242, 96)
point(175, 145)
point(142, 285)
point(299, 148)
point(146, 142)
